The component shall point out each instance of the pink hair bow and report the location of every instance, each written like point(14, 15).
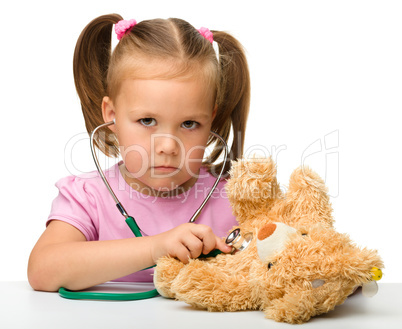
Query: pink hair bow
point(123, 26)
point(206, 33)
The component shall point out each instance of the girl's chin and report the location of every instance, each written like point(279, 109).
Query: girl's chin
point(160, 186)
point(171, 187)
point(163, 184)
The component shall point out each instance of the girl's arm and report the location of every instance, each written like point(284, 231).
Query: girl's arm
point(63, 258)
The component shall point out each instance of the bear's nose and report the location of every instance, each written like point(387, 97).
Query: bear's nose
point(266, 231)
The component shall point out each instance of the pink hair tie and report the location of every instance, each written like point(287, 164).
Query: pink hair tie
point(206, 33)
point(123, 26)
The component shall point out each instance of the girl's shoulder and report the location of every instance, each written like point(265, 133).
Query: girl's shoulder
point(208, 179)
point(89, 184)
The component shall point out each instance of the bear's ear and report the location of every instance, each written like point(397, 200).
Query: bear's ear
point(317, 272)
point(302, 302)
point(251, 186)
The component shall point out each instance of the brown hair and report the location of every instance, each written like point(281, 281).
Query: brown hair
point(98, 72)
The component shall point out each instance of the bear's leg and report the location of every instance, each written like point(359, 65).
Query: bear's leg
point(307, 200)
point(252, 187)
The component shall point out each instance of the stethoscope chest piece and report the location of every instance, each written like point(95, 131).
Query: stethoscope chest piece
point(238, 241)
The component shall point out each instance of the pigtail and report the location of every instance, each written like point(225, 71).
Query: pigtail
point(233, 97)
point(90, 65)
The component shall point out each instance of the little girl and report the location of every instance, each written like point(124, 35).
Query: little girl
point(166, 88)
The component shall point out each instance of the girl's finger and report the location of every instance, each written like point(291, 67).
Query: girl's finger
point(194, 245)
point(222, 246)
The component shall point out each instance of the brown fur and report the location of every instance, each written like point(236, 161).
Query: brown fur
point(316, 271)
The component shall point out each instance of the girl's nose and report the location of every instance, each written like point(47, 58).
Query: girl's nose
point(166, 144)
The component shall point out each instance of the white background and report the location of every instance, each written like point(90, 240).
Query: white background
point(326, 91)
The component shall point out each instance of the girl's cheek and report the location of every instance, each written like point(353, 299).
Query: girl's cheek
point(194, 159)
point(135, 159)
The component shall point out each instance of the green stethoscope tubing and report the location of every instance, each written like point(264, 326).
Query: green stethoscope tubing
point(63, 292)
point(132, 224)
point(107, 296)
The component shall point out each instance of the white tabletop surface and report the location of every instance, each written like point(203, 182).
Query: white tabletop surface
point(21, 307)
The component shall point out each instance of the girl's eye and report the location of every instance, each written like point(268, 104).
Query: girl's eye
point(147, 122)
point(190, 124)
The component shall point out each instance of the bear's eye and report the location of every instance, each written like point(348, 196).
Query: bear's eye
point(304, 234)
point(270, 265)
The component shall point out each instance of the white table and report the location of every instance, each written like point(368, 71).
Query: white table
point(21, 307)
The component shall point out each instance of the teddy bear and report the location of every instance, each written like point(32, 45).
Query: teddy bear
point(290, 261)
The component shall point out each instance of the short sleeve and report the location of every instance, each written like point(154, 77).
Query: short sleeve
point(74, 206)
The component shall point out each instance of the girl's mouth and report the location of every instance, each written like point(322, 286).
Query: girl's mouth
point(166, 169)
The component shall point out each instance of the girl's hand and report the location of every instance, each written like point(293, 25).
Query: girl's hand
point(187, 241)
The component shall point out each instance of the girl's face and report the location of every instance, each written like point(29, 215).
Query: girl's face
point(162, 127)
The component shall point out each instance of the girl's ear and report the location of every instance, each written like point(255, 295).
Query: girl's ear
point(108, 111)
point(215, 110)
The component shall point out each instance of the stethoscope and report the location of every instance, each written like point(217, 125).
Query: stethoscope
point(234, 239)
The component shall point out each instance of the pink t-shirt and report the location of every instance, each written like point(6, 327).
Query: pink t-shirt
point(85, 203)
